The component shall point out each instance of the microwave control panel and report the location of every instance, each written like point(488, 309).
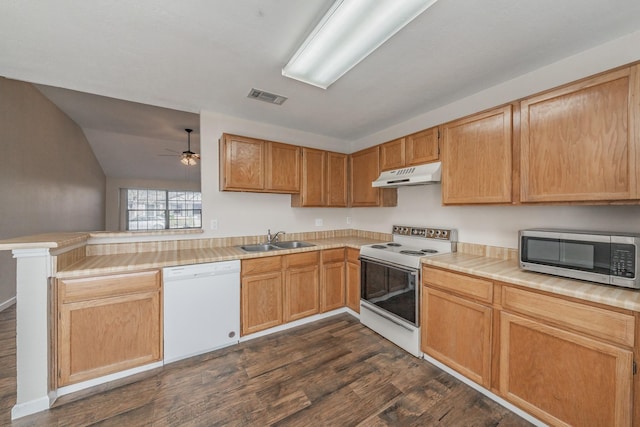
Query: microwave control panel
point(623, 257)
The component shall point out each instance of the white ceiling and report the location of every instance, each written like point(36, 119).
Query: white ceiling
point(196, 55)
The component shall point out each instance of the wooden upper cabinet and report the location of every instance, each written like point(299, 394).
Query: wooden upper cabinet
point(422, 147)
point(314, 169)
point(248, 164)
point(415, 149)
point(580, 142)
point(364, 169)
point(392, 154)
point(241, 163)
point(337, 179)
point(476, 158)
point(324, 179)
point(282, 167)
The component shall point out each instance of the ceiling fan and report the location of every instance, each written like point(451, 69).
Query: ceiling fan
point(188, 157)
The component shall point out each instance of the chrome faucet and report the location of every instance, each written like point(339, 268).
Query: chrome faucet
point(273, 238)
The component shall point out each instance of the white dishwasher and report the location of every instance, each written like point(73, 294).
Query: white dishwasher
point(201, 308)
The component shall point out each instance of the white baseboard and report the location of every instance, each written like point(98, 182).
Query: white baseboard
point(479, 388)
point(297, 323)
point(62, 391)
point(8, 303)
point(20, 410)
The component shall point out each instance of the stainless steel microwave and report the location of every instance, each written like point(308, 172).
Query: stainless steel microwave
point(610, 258)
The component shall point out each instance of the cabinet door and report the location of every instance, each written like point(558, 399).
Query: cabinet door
point(476, 158)
point(261, 301)
point(364, 169)
point(392, 154)
point(457, 332)
point(333, 280)
point(336, 179)
point(301, 285)
point(314, 168)
point(282, 168)
point(242, 163)
point(106, 326)
point(353, 280)
point(422, 147)
point(578, 142)
point(564, 378)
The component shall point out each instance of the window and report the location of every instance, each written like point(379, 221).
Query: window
point(163, 209)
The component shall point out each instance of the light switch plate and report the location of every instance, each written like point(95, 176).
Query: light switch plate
point(214, 224)
point(319, 222)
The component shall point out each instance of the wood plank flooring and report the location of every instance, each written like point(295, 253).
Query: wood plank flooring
point(333, 372)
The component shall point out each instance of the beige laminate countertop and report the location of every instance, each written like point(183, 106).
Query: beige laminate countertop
point(509, 271)
point(106, 264)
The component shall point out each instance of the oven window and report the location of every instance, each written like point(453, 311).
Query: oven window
point(390, 288)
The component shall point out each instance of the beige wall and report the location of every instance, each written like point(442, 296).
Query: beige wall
point(113, 214)
point(49, 178)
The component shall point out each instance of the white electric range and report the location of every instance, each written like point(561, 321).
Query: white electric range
point(390, 282)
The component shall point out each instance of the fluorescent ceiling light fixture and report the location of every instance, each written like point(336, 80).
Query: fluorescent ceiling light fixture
point(348, 33)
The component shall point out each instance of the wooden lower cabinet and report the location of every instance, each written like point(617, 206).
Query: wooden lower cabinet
point(562, 377)
point(261, 294)
point(333, 280)
point(301, 285)
point(353, 279)
point(107, 324)
point(564, 361)
point(457, 332)
point(279, 289)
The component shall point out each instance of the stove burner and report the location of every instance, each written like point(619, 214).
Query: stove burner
point(429, 251)
point(411, 252)
point(379, 246)
point(394, 245)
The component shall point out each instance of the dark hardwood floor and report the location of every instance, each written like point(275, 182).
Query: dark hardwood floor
point(333, 372)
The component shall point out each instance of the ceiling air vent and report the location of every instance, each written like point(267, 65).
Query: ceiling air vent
point(271, 98)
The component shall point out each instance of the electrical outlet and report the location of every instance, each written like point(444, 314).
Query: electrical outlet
point(348, 220)
point(319, 222)
point(214, 224)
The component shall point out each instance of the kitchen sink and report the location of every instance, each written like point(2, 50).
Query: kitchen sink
point(261, 247)
point(293, 244)
point(265, 247)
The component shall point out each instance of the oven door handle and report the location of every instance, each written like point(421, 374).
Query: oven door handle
point(389, 318)
point(413, 271)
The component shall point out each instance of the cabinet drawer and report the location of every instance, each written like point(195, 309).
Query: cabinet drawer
point(333, 255)
point(353, 255)
point(472, 287)
point(610, 325)
point(88, 288)
point(261, 265)
point(305, 258)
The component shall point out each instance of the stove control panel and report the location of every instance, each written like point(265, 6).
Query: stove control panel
point(427, 233)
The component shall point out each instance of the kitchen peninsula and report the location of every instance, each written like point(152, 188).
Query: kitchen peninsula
point(564, 307)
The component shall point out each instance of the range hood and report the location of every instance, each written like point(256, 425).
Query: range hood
point(428, 173)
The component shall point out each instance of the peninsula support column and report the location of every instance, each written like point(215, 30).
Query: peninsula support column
point(34, 267)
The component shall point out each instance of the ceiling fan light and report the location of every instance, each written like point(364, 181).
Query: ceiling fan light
point(348, 33)
point(188, 160)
